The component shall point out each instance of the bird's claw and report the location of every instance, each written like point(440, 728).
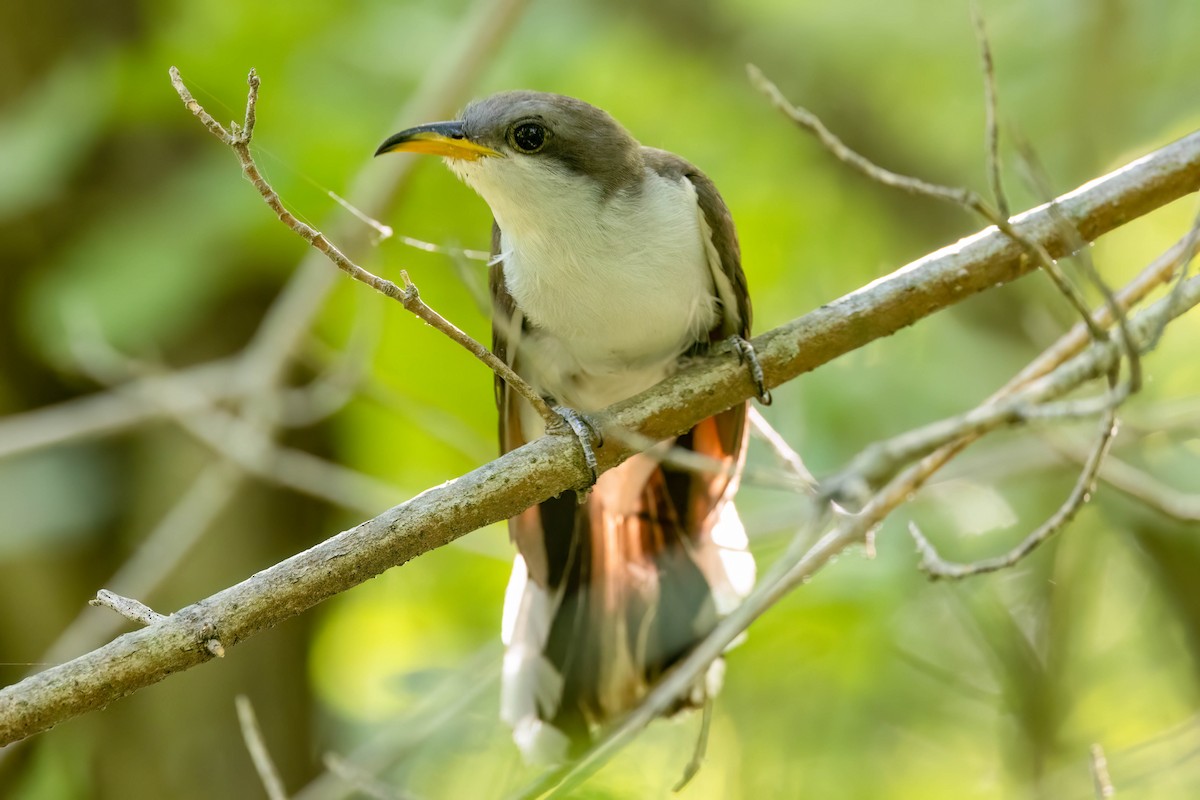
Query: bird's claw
point(746, 355)
point(587, 433)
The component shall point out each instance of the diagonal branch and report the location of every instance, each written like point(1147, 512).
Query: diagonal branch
point(965, 198)
point(550, 465)
point(239, 139)
point(798, 564)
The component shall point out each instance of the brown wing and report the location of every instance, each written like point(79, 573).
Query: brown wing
point(508, 324)
point(722, 436)
point(728, 255)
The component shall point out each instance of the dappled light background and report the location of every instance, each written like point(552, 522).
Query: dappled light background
point(124, 225)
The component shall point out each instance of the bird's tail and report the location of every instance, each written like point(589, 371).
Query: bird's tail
point(616, 592)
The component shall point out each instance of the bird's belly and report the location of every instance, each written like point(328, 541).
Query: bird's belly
point(591, 356)
point(611, 301)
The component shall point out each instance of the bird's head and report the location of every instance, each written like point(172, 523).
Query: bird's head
point(523, 150)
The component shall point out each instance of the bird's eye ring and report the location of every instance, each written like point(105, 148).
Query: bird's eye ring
point(528, 136)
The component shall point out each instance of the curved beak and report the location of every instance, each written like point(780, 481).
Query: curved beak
point(436, 139)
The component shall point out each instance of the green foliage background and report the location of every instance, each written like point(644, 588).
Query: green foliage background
point(118, 213)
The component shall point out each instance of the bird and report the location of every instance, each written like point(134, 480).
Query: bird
point(613, 263)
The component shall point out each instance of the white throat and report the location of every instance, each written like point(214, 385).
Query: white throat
point(616, 287)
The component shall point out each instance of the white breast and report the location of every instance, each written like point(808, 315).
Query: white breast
point(616, 288)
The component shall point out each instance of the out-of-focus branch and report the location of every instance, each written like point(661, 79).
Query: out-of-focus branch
point(550, 465)
point(264, 765)
point(1141, 486)
point(118, 409)
point(937, 567)
point(992, 123)
point(1099, 766)
point(155, 558)
point(237, 438)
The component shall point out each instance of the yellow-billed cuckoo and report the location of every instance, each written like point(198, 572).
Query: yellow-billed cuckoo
point(612, 262)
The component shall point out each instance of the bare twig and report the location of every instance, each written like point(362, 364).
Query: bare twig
point(992, 136)
point(1037, 176)
point(237, 438)
point(127, 607)
point(1141, 486)
point(142, 614)
point(441, 91)
point(781, 448)
point(1099, 766)
point(842, 152)
point(937, 567)
point(965, 198)
point(259, 754)
point(1072, 343)
point(409, 297)
point(361, 781)
point(881, 460)
point(697, 760)
point(113, 411)
point(154, 559)
point(550, 465)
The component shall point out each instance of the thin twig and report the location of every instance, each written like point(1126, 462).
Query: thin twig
point(779, 445)
point(127, 607)
point(409, 297)
point(936, 567)
point(1099, 766)
point(965, 198)
point(881, 460)
point(1190, 247)
point(1037, 176)
point(237, 438)
point(697, 760)
point(252, 736)
point(484, 28)
point(992, 135)
point(155, 558)
point(1141, 486)
point(142, 614)
point(1067, 346)
point(361, 781)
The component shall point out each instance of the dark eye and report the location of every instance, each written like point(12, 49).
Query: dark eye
point(528, 137)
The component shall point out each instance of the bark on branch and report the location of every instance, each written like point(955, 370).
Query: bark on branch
point(552, 464)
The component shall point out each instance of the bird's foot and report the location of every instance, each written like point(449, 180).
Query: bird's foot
point(746, 355)
point(589, 438)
